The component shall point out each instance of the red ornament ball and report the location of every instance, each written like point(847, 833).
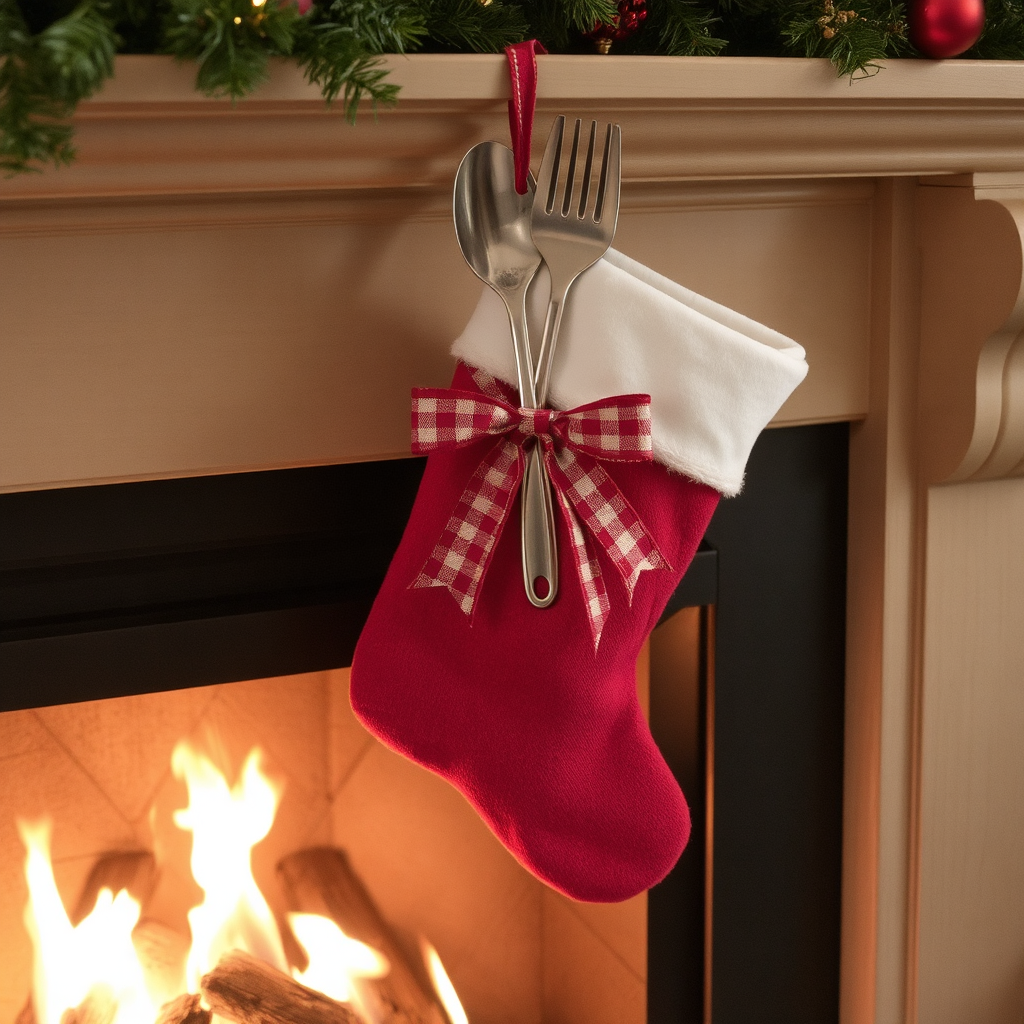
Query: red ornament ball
point(632, 14)
point(944, 28)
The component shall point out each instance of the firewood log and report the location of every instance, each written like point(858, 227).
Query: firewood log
point(134, 871)
point(248, 991)
point(321, 881)
point(98, 1007)
point(162, 952)
point(186, 1009)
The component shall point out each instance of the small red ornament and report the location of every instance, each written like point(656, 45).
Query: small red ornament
point(632, 14)
point(944, 28)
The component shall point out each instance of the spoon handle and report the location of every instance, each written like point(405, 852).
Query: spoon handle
point(540, 556)
point(540, 553)
point(516, 306)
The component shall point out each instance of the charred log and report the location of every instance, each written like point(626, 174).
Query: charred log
point(321, 881)
point(186, 1009)
point(248, 991)
point(134, 871)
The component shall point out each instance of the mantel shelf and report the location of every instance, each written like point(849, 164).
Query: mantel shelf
point(150, 134)
point(483, 77)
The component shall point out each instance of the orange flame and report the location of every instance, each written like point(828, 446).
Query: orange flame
point(443, 985)
point(335, 960)
point(225, 825)
point(96, 960)
point(93, 960)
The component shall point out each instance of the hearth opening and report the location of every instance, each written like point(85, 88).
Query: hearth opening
point(212, 883)
point(222, 611)
point(164, 794)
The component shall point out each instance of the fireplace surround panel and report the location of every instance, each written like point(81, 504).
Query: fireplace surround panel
point(740, 177)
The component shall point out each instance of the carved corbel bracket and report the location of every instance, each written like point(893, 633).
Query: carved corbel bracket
point(971, 405)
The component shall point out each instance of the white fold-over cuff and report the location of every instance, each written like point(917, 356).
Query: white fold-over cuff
point(715, 377)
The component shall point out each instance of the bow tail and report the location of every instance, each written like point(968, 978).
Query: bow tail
point(608, 516)
point(588, 571)
point(463, 552)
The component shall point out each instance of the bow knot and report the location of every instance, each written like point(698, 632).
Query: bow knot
point(535, 422)
point(593, 506)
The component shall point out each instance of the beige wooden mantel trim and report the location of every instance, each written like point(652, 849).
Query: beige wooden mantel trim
point(211, 385)
point(972, 238)
point(879, 947)
point(431, 77)
point(148, 133)
point(966, 885)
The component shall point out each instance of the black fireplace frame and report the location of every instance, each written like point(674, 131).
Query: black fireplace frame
point(166, 584)
point(140, 587)
point(779, 698)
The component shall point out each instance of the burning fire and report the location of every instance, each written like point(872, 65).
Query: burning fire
point(95, 964)
point(225, 825)
point(94, 960)
point(329, 949)
point(443, 985)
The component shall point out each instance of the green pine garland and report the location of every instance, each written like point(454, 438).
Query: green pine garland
point(46, 70)
point(54, 53)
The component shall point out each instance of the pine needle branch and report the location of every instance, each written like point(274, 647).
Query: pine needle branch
point(585, 15)
point(854, 39)
point(379, 26)
point(471, 25)
point(78, 52)
point(230, 40)
point(679, 28)
point(1003, 35)
point(338, 45)
point(43, 76)
point(558, 23)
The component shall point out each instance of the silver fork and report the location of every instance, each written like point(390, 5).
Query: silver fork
point(573, 222)
point(571, 233)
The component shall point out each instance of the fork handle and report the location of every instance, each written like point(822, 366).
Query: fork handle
point(552, 324)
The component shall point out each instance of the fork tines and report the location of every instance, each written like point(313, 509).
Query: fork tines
point(578, 184)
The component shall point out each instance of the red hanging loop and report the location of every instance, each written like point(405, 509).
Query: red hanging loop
point(522, 70)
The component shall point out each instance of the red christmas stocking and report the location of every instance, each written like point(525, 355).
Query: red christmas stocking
point(532, 713)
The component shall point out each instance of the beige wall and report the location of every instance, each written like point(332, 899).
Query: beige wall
point(972, 803)
point(210, 337)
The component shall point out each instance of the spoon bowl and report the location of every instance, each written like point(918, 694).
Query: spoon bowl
point(492, 224)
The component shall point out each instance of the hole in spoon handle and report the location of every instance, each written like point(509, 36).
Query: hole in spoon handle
point(540, 554)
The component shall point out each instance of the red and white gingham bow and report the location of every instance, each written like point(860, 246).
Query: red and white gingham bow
point(613, 428)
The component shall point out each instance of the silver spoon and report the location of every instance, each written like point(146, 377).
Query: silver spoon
point(492, 223)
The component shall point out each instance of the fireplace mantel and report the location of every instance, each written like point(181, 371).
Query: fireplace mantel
point(702, 135)
point(149, 133)
point(215, 288)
